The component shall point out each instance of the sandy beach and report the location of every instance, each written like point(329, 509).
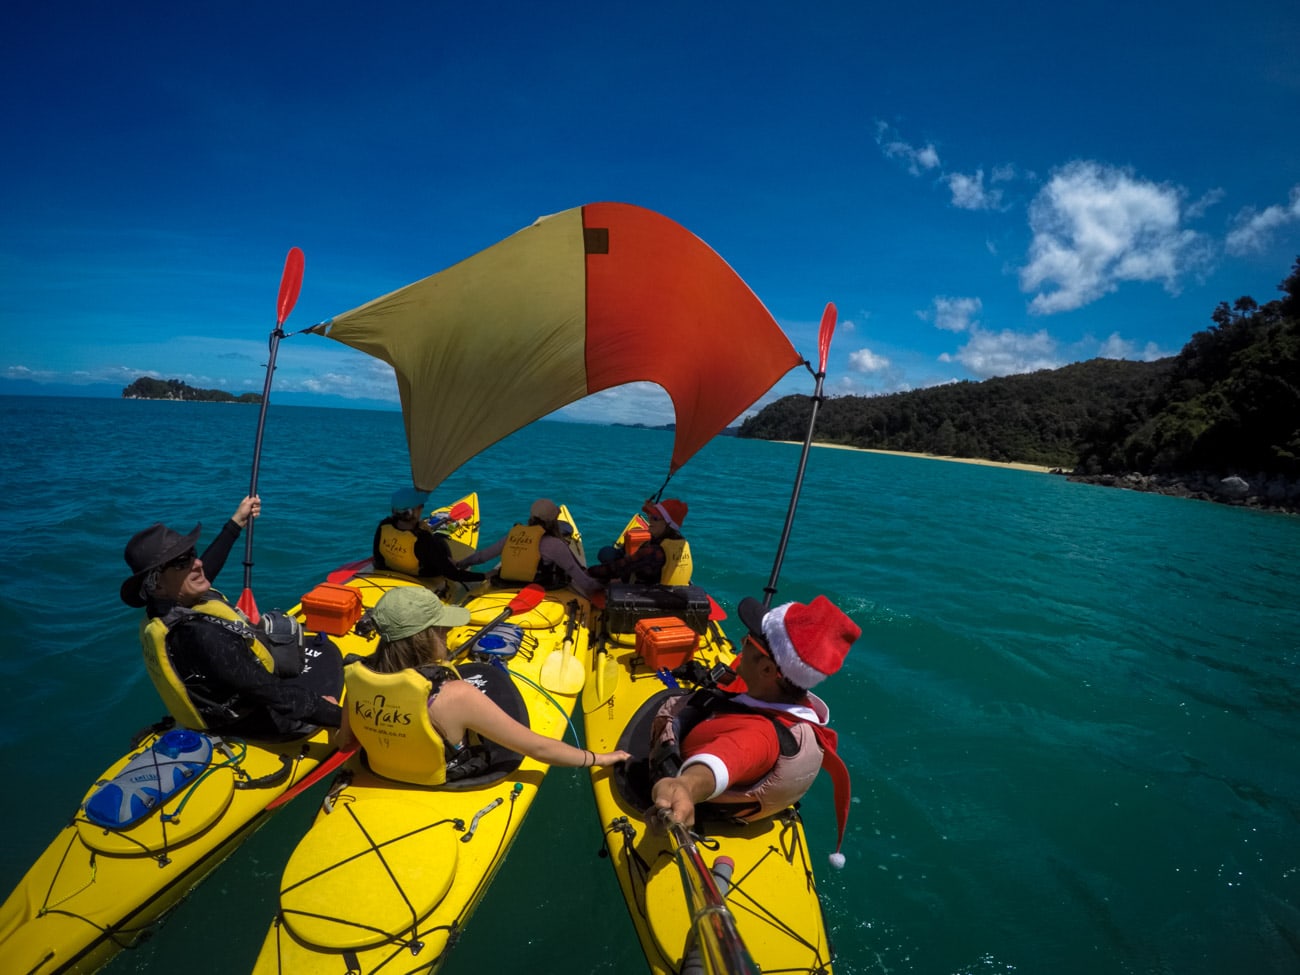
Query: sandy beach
point(959, 460)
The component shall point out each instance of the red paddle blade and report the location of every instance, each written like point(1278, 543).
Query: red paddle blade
point(290, 285)
point(460, 511)
point(345, 572)
point(716, 612)
point(248, 606)
point(528, 598)
point(824, 335)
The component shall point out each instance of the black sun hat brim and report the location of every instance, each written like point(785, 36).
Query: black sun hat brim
point(170, 545)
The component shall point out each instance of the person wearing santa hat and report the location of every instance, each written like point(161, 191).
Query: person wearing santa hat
point(755, 752)
point(645, 565)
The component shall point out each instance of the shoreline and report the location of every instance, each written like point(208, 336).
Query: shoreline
point(1010, 465)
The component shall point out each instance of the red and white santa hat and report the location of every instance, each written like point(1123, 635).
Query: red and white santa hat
point(808, 643)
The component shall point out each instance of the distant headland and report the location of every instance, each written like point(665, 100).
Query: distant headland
point(174, 389)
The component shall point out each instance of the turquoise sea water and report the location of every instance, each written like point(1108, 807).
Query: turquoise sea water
point(1072, 719)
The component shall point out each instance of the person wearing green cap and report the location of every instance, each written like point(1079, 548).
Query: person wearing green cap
point(414, 716)
point(404, 543)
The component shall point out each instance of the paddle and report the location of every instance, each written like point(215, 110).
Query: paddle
point(527, 598)
point(712, 922)
point(459, 512)
point(290, 285)
point(345, 572)
point(561, 671)
point(312, 777)
point(604, 676)
point(823, 349)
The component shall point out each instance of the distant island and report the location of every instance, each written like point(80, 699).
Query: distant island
point(174, 389)
point(672, 427)
point(1218, 421)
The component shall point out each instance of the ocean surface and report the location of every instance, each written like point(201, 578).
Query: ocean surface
point(1072, 718)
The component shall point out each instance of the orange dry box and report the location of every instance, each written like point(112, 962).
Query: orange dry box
point(665, 642)
point(634, 538)
point(332, 608)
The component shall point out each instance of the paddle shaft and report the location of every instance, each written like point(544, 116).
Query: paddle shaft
point(711, 919)
point(312, 777)
point(290, 285)
point(824, 345)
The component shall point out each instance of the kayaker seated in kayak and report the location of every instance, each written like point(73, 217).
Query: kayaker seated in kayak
point(537, 552)
point(411, 712)
point(205, 658)
point(756, 752)
point(663, 559)
point(405, 543)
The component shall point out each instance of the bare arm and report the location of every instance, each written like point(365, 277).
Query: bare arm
point(460, 707)
point(679, 794)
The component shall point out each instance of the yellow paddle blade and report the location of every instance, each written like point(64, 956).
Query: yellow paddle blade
point(562, 673)
point(600, 686)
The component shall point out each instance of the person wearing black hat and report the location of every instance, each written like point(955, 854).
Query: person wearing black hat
point(225, 674)
point(404, 543)
point(758, 750)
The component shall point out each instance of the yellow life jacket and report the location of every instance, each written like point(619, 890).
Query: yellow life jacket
point(398, 549)
point(389, 714)
point(522, 553)
point(677, 562)
point(157, 662)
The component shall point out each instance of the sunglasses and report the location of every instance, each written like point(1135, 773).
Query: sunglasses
point(184, 561)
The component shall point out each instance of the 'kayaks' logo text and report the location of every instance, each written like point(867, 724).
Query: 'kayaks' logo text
point(377, 711)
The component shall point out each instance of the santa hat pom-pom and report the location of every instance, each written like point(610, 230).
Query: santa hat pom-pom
point(837, 860)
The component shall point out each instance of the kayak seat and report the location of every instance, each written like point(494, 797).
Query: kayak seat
point(632, 778)
point(481, 764)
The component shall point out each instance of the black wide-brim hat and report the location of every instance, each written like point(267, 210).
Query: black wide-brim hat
point(150, 549)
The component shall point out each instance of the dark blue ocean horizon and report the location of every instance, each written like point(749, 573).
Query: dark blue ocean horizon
point(1071, 719)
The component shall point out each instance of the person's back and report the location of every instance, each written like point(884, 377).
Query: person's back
point(404, 543)
point(414, 716)
point(537, 552)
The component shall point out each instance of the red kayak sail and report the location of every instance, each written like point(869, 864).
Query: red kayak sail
point(584, 300)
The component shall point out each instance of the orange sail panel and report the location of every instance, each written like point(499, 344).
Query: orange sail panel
point(584, 300)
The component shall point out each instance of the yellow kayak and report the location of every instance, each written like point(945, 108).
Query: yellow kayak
point(102, 886)
point(770, 888)
point(389, 873)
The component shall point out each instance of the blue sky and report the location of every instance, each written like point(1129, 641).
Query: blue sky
point(981, 189)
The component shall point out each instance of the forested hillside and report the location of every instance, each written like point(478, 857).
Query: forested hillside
point(1228, 403)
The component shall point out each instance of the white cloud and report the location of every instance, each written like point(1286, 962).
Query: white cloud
point(1116, 347)
point(1096, 226)
point(1252, 231)
point(1005, 353)
point(955, 314)
point(864, 360)
point(915, 159)
point(969, 192)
